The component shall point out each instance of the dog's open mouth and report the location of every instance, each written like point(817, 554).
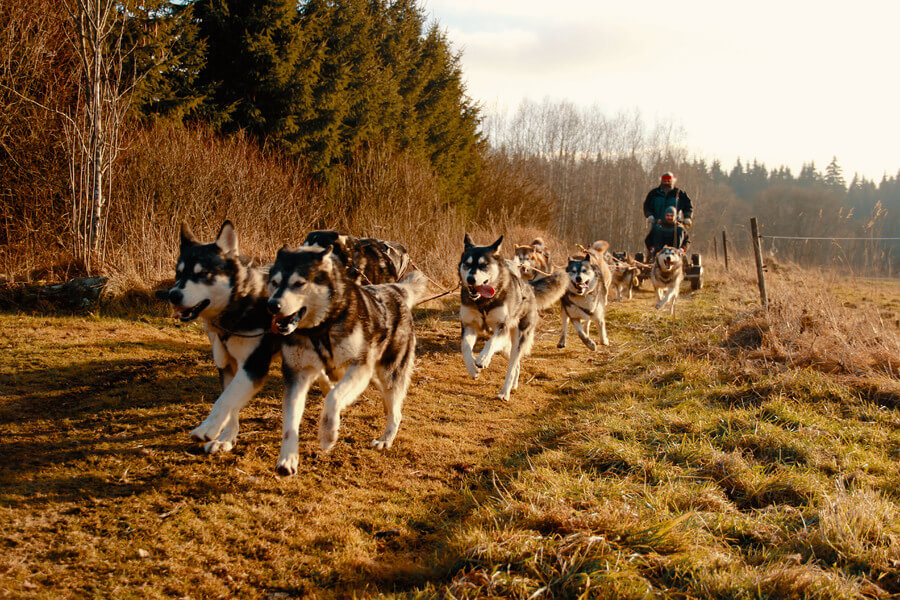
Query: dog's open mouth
point(186, 315)
point(581, 287)
point(285, 325)
point(480, 291)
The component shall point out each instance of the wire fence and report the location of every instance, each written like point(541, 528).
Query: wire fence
point(871, 256)
point(859, 239)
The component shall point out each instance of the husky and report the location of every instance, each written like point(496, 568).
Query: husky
point(497, 302)
point(625, 277)
point(585, 298)
point(369, 261)
point(335, 328)
point(532, 258)
point(666, 275)
point(226, 292)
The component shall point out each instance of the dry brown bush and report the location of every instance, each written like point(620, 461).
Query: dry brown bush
point(809, 324)
point(171, 174)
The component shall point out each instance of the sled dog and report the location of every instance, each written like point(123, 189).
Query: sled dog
point(585, 298)
point(226, 292)
point(625, 277)
point(368, 260)
point(338, 329)
point(531, 257)
point(666, 275)
point(497, 302)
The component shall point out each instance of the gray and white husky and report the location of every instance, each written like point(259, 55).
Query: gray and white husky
point(497, 302)
point(625, 276)
point(585, 298)
point(226, 292)
point(666, 275)
point(338, 329)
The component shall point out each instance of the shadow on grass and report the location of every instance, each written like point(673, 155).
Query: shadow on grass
point(68, 432)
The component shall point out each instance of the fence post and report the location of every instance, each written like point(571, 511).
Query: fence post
point(725, 247)
point(754, 233)
point(716, 248)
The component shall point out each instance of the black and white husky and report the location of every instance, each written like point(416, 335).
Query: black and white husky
point(666, 275)
point(338, 329)
point(497, 302)
point(585, 298)
point(226, 292)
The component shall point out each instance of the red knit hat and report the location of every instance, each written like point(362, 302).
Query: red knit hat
point(667, 176)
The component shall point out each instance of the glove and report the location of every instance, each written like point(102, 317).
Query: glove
point(687, 222)
point(651, 220)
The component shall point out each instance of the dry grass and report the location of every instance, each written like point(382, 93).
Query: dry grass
point(673, 464)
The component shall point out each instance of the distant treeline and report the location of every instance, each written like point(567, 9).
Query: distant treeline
point(351, 114)
point(599, 167)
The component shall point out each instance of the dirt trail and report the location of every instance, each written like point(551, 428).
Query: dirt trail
point(96, 460)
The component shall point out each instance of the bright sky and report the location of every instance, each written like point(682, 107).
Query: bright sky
point(784, 81)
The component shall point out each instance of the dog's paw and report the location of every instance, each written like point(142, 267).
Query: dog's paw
point(328, 432)
point(503, 397)
point(203, 433)
point(605, 341)
point(216, 446)
point(474, 372)
point(482, 364)
point(561, 344)
point(660, 304)
point(382, 444)
point(287, 465)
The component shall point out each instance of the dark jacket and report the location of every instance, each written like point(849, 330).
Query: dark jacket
point(659, 199)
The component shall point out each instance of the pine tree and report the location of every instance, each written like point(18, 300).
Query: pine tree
point(809, 176)
point(252, 50)
point(834, 177)
point(164, 54)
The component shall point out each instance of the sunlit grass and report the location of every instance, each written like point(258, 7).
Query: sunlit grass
point(670, 465)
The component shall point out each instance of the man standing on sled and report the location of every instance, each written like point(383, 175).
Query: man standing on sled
point(662, 208)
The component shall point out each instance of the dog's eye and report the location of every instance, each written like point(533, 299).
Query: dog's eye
point(297, 285)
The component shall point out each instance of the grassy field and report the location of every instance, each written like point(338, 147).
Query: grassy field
point(718, 454)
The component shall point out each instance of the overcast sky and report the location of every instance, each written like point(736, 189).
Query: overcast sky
point(784, 81)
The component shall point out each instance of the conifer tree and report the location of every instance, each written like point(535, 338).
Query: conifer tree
point(247, 77)
point(164, 56)
point(834, 177)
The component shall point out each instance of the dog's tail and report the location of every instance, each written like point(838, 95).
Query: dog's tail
point(414, 285)
point(600, 247)
point(550, 289)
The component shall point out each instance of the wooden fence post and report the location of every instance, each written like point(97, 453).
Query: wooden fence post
point(716, 248)
point(725, 247)
point(757, 252)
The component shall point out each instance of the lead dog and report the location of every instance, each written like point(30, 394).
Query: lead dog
point(666, 275)
point(532, 257)
point(497, 302)
point(226, 292)
point(585, 298)
point(338, 329)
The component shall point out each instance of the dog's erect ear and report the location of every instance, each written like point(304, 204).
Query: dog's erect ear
point(467, 241)
point(227, 239)
point(496, 245)
point(282, 252)
point(187, 238)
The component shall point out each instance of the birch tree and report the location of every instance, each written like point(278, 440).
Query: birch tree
point(93, 129)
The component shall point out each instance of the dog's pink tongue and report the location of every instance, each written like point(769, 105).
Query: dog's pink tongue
point(485, 290)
